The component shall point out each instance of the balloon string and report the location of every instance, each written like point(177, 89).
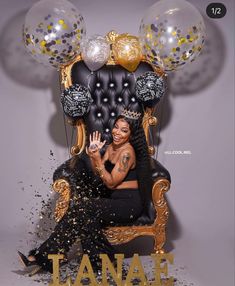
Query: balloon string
point(71, 142)
point(89, 80)
point(132, 74)
point(65, 128)
point(160, 125)
point(66, 135)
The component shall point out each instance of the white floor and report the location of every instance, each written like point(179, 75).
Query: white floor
point(188, 269)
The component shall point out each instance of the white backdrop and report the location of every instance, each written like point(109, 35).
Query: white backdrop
point(197, 115)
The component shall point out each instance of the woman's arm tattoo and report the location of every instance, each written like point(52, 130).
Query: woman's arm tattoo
point(124, 162)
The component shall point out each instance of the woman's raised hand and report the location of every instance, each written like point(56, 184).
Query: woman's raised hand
point(95, 143)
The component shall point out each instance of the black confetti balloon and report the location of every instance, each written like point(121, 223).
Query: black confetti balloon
point(150, 87)
point(76, 101)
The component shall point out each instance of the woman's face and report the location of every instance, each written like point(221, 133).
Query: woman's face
point(121, 132)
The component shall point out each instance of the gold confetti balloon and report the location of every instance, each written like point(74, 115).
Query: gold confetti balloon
point(127, 51)
point(53, 32)
point(172, 34)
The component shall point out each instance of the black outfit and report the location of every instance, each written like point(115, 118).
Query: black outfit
point(86, 218)
point(130, 176)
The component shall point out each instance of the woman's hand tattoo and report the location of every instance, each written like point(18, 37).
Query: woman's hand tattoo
point(93, 146)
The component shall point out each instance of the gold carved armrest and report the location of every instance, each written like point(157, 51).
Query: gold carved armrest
point(160, 187)
point(62, 187)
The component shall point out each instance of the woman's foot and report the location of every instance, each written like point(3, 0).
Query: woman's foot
point(28, 262)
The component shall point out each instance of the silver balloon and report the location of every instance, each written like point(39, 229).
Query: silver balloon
point(53, 31)
point(95, 52)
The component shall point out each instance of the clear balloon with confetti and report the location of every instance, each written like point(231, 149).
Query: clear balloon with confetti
point(53, 31)
point(172, 33)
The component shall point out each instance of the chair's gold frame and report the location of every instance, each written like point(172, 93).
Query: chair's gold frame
point(122, 234)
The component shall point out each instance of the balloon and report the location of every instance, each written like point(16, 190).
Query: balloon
point(53, 31)
point(172, 34)
point(95, 52)
point(76, 101)
point(150, 87)
point(127, 51)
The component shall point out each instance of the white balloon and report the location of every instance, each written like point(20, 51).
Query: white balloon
point(95, 52)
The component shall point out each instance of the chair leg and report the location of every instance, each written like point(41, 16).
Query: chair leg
point(161, 186)
point(159, 241)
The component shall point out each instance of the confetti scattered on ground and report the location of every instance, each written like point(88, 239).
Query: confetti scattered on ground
point(41, 216)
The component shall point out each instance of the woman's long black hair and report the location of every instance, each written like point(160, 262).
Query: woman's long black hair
point(139, 143)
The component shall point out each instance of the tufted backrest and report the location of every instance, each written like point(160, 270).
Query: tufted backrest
point(112, 89)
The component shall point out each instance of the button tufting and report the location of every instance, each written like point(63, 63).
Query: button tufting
point(126, 84)
point(98, 84)
point(105, 99)
point(111, 84)
point(119, 99)
point(99, 114)
point(133, 99)
point(107, 130)
point(112, 114)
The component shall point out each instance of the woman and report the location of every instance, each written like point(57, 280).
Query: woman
point(125, 172)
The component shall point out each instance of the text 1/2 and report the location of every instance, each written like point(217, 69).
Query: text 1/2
point(216, 10)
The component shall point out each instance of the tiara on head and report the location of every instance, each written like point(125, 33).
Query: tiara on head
point(131, 114)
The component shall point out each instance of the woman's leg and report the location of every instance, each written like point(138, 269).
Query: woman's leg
point(85, 220)
point(82, 220)
point(124, 206)
point(66, 232)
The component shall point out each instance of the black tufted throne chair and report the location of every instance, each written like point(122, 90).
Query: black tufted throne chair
point(112, 88)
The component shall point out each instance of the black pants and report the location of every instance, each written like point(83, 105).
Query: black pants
point(85, 219)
